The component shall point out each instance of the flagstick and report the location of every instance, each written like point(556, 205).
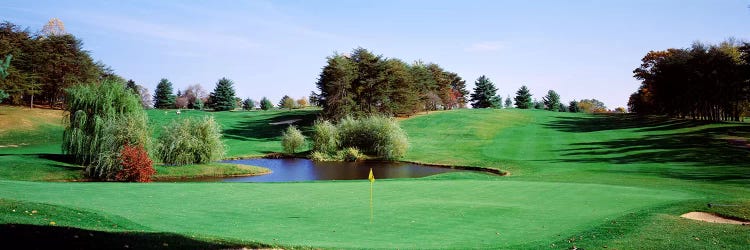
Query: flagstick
point(371, 215)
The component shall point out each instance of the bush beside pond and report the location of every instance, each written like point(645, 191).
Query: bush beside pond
point(191, 141)
point(353, 138)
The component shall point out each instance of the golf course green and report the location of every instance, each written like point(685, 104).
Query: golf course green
point(613, 181)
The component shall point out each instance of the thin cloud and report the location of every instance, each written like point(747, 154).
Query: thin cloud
point(170, 34)
point(487, 46)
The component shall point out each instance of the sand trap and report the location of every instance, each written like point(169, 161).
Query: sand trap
point(708, 217)
point(285, 122)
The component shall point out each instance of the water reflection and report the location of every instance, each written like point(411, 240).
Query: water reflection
point(285, 170)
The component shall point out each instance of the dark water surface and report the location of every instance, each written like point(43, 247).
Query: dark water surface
point(306, 170)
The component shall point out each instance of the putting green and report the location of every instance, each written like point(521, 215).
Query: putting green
point(458, 213)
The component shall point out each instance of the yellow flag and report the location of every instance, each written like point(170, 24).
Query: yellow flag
point(371, 177)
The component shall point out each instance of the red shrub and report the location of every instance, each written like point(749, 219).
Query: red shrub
point(136, 166)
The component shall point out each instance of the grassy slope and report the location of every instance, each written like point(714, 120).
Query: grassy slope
point(590, 181)
point(247, 134)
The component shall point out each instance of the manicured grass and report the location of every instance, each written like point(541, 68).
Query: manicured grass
point(246, 133)
point(408, 213)
point(586, 180)
point(206, 170)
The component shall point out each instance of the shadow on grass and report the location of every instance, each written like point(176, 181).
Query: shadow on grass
point(60, 161)
point(704, 153)
point(24, 236)
point(603, 122)
point(261, 129)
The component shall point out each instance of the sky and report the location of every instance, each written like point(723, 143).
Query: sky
point(581, 49)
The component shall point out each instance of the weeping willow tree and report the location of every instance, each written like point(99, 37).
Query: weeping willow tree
point(100, 120)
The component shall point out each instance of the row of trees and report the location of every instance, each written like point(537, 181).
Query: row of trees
point(45, 62)
point(707, 82)
point(363, 83)
point(485, 96)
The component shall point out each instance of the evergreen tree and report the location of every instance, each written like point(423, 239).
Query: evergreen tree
point(573, 107)
point(132, 86)
point(265, 104)
point(163, 97)
point(483, 93)
point(523, 98)
point(497, 102)
point(551, 101)
point(508, 102)
point(562, 108)
point(222, 98)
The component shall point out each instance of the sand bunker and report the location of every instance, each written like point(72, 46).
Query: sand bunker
point(708, 217)
point(285, 122)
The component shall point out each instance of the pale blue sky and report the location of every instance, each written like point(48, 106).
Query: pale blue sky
point(581, 49)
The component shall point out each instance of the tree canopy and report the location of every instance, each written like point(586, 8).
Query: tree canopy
point(362, 83)
point(708, 82)
point(44, 64)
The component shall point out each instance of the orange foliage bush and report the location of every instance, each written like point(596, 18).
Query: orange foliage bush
point(136, 166)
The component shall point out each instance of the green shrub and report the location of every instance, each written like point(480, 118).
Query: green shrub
point(320, 156)
point(191, 141)
point(292, 139)
point(350, 154)
point(376, 135)
point(325, 137)
point(100, 120)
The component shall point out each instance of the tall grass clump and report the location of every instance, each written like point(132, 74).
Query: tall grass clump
point(100, 120)
point(325, 138)
point(292, 139)
point(191, 141)
point(376, 136)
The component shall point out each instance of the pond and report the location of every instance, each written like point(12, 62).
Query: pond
point(285, 170)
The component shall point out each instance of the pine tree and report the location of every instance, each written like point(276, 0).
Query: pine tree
point(248, 104)
point(163, 96)
point(483, 93)
point(573, 107)
point(551, 101)
point(222, 98)
point(523, 98)
point(508, 102)
point(265, 104)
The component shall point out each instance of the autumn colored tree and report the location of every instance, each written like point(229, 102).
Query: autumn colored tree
point(302, 102)
point(286, 102)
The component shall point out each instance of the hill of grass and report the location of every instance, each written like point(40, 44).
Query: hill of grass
point(591, 181)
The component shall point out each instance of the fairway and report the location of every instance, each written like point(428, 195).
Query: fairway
point(575, 180)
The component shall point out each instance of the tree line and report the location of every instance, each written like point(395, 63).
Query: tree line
point(362, 83)
point(704, 82)
point(44, 63)
point(485, 96)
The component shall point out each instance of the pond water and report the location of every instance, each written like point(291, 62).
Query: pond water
point(285, 170)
